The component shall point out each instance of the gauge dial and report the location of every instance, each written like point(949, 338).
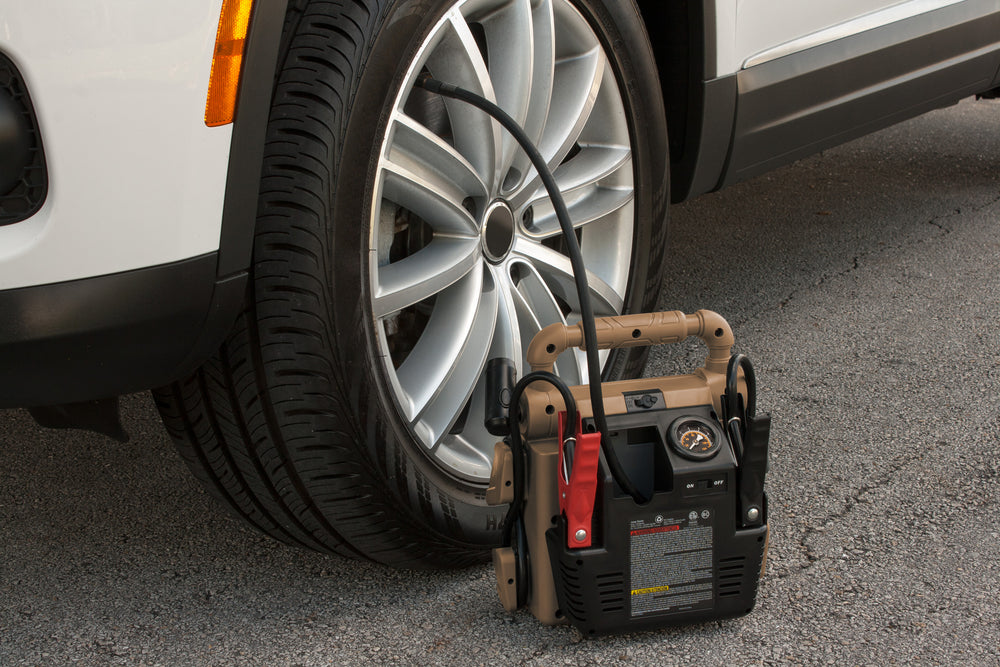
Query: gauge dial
point(695, 438)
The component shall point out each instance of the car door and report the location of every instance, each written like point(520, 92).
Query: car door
point(748, 28)
point(810, 75)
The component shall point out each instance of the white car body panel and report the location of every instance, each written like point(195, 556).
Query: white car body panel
point(136, 179)
point(751, 32)
point(876, 19)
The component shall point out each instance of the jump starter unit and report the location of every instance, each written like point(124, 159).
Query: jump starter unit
point(632, 505)
point(581, 549)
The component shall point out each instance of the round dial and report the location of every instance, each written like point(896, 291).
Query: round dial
point(695, 438)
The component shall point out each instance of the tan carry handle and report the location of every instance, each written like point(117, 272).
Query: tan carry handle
point(642, 329)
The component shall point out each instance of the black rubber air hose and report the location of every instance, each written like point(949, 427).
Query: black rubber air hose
point(576, 260)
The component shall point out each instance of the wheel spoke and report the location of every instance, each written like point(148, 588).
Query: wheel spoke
point(537, 308)
point(590, 168)
point(465, 455)
point(457, 369)
point(511, 45)
point(457, 60)
point(542, 70)
point(556, 271)
point(437, 201)
point(507, 341)
point(576, 83)
point(423, 274)
point(585, 206)
point(418, 150)
point(542, 81)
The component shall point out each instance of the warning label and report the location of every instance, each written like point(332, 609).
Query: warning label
point(671, 562)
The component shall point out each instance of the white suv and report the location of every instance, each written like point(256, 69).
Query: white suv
point(319, 287)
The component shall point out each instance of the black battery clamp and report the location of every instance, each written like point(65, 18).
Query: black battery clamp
point(632, 505)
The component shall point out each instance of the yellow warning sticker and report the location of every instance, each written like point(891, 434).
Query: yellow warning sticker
point(654, 589)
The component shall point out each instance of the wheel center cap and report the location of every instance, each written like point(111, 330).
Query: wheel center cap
point(498, 231)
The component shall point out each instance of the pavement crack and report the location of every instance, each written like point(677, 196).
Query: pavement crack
point(852, 501)
point(855, 265)
point(936, 221)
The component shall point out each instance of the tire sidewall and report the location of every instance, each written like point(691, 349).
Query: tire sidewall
point(455, 509)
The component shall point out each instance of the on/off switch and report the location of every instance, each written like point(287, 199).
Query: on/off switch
point(712, 485)
point(705, 486)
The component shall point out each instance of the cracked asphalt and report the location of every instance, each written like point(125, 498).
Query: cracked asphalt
point(864, 284)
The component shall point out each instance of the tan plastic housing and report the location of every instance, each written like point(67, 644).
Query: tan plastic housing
point(639, 330)
point(506, 572)
point(541, 404)
point(501, 488)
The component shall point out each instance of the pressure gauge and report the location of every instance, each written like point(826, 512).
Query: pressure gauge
point(695, 438)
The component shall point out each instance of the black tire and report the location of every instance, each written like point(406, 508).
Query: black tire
point(291, 423)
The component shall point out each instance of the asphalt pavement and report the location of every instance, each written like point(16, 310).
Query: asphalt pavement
point(864, 283)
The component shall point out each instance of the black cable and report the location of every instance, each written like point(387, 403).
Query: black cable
point(522, 567)
point(576, 261)
point(737, 421)
point(517, 450)
point(514, 534)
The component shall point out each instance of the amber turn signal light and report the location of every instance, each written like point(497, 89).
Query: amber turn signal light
point(224, 82)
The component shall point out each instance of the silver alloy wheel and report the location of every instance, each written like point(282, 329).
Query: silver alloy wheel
point(465, 260)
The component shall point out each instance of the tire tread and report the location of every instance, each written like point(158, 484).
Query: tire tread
point(264, 424)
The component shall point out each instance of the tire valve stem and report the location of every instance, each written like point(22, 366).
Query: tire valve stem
point(500, 380)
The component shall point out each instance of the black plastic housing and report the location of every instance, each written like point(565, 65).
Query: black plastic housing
point(678, 559)
point(24, 181)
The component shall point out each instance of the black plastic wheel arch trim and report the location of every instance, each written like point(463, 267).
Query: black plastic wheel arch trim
point(697, 171)
point(98, 337)
point(700, 110)
point(246, 153)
